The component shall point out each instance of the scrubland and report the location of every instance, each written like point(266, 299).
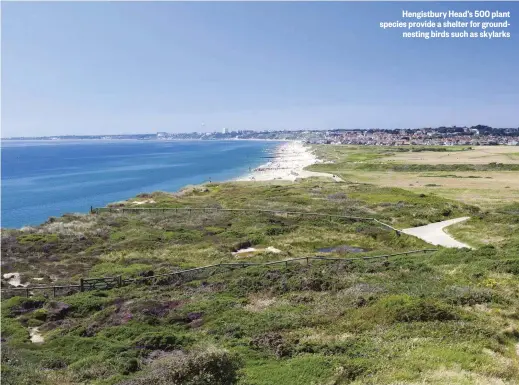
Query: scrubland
point(445, 317)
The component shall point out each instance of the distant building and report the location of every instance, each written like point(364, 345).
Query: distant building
point(162, 134)
point(225, 131)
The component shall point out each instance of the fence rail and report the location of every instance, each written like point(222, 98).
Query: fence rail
point(97, 210)
point(182, 276)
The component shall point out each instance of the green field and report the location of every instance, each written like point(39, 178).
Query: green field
point(447, 317)
point(490, 182)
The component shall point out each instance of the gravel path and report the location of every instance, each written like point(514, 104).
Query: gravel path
point(433, 233)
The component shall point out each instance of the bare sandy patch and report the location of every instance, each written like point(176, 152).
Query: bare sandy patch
point(245, 251)
point(35, 335)
point(253, 250)
point(138, 203)
point(14, 279)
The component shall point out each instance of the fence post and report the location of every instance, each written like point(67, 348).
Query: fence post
point(286, 264)
point(54, 291)
point(81, 285)
point(27, 292)
point(306, 261)
point(120, 281)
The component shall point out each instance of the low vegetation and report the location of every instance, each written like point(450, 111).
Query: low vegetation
point(446, 317)
point(481, 176)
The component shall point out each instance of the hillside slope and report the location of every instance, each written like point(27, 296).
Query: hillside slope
point(447, 317)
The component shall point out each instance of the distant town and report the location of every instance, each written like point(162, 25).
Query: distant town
point(479, 135)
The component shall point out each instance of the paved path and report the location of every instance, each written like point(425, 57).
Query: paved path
point(433, 233)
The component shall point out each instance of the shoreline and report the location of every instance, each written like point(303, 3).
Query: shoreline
point(288, 160)
point(288, 163)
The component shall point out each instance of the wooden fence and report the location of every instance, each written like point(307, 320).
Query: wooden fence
point(216, 209)
point(181, 276)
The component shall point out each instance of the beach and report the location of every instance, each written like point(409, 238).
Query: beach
point(288, 163)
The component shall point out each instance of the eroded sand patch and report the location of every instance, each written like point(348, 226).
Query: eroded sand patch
point(14, 279)
point(143, 202)
point(250, 250)
point(36, 337)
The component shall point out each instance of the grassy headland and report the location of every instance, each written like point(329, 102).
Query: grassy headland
point(450, 317)
point(483, 176)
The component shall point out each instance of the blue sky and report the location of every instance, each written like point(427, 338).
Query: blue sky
point(101, 67)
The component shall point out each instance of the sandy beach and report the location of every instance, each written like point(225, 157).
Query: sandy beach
point(288, 163)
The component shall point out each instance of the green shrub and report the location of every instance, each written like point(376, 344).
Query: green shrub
point(464, 295)
point(96, 367)
point(273, 342)
point(38, 238)
point(352, 369)
point(404, 308)
point(18, 370)
point(19, 305)
point(277, 230)
point(314, 280)
point(81, 304)
point(12, 330)
point(213, 230)
point(510, 266)
point(40, 314)
point(159, 341)
point(183, 235)
point(34, 322)
point(211, 366)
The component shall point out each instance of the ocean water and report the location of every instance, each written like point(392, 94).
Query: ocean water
point(50, 178)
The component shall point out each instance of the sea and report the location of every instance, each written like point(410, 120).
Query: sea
point(50, 178)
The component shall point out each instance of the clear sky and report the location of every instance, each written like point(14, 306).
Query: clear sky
point(109, 67)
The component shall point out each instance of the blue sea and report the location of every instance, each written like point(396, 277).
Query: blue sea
point(50, 178)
